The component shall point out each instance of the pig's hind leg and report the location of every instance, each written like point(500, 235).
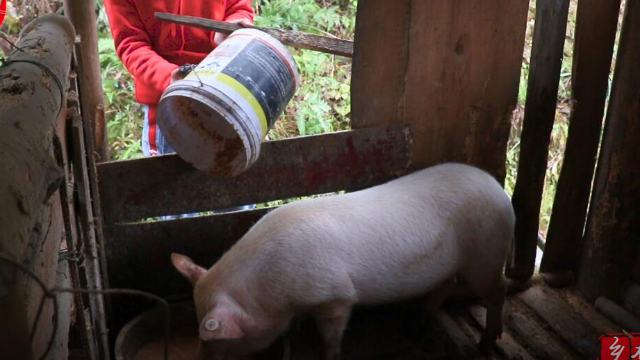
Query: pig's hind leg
point(332, 319)
point(494, 297)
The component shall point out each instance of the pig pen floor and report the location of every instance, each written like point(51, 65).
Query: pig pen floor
point(539, 323)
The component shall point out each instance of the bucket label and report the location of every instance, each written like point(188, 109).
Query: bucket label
point(265, 74)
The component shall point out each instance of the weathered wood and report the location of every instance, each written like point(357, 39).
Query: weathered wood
point(465, 346)
point(562, 318)
point(89, 150)
point(588, 312)
point(377, 82)
point(459, 92)
point(613, 226)
point(30, 224)
point(297, 39)
point(618, 314)
point(85, 330)
point(87, 232)
point(632, 299)
point(595, 35)
point(540, 110)
point(139, 254)
point(507, 346)
point(559, 279)
point(83, 16)
point(542, 344)
point(350, 160)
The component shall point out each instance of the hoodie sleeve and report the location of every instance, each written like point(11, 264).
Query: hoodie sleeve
point(239, 9)
point(133, 46)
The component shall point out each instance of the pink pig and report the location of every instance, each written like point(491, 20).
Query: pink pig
point(322, 256)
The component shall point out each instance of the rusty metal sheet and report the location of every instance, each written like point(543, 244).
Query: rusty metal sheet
point(166, 185)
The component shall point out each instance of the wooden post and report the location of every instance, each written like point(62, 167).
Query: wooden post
point(595, 34)
point(378, 82)
point(613, 226)
point(540, 110)
point(33, 85)
point(83, 16)
point(451, 68)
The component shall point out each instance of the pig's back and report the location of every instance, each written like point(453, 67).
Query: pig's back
point(395, 240)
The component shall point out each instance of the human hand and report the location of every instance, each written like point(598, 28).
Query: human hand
point(220, 37)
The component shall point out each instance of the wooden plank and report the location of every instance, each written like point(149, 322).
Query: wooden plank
point(87, 232)
point(632, 299)
point(595, 35)
point(613, 226)
point(139, 254)
point(618, 314)
point(82, 14)
point(297, 39)
point(377, 82)
point(540, 342)
point(562, 318)
point(166, 185)
point(540, 110)
point(465, 346)
point(589, 313)
point(462, 80)
point(507, 346)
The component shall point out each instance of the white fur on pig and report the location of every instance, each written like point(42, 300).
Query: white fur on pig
point(321, 256)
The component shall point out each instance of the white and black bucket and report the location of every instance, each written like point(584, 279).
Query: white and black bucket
point(217, 116)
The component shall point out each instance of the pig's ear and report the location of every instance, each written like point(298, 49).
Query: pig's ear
point(187, 267)
point(220, 325)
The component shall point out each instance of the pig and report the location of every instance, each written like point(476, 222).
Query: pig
point(320, 257)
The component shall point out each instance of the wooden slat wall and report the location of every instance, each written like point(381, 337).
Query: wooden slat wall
point(613, 226)
point(441, 73)
point(595, 35)
point(540, 109)
point(166, 185)
point(381, 55)
point(462, 79)
point(139, 254)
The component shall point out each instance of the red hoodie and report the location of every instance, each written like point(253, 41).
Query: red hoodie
point(151, 49)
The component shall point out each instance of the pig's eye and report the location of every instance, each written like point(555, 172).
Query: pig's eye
point(211, 325)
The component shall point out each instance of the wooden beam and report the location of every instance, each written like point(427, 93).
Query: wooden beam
point(139, 254)
point(459, 94)
point(632, 299)
point(506, 345)
point(542, 344)
point(377, 82)
point(82, 14)
point(595, 35)
point(618, 314)
point(33, 83)
point(563, 319)
point(613, 225)
point(297, 39)
point(349, 160)
point(540, 110)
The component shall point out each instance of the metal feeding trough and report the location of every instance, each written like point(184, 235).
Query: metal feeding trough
point(143, 338)
point(377, 333)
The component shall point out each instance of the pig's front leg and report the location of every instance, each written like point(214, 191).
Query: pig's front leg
point(332, 319)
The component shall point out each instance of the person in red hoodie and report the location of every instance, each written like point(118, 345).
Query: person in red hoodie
point(153, 50)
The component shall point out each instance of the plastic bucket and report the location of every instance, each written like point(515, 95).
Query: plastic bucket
point(217, 116)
